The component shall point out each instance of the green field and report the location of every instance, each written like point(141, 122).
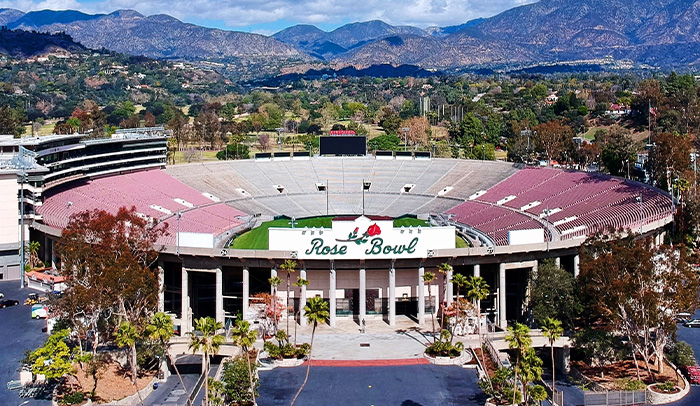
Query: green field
point(257, 238)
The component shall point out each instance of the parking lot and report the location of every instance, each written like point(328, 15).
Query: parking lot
point(18, 333)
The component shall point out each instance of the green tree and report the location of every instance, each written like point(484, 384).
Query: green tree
point(54, 359)
point(127, 336)
point(208, 343)
point(234, 151)
point(160, 329)
point(384, 142)
point(428, 279)
point(518, 339)
point(11, 122)
point(245, 338)
point(552, 330)
point(32, 249)
point(236, 377)
point(553, 294)
point(477, 290)
point(316, 311)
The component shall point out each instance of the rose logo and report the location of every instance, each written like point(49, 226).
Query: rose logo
point(374, 230)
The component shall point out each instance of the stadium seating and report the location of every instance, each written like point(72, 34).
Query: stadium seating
point(214, 197)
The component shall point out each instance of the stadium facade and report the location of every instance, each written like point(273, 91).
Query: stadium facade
point(507, 218)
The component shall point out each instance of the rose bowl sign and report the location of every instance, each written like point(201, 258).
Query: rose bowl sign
point(361, 238)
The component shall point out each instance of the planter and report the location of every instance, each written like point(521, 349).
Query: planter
point(288, 362)
point(463, 358)
point(658, 398)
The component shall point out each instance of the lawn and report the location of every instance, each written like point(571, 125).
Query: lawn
point(257, 238)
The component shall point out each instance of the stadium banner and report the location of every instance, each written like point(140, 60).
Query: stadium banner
point(361, 238)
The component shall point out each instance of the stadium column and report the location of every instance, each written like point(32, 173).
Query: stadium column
point(53, 253)
point(363, 295)
point(421, 295)
point(219, 296)
point(450, 289)
point(302, 299)
point(161, 286)
point(576, 266)
point(392, 296)
point(502, 296)
point(185, 310)
point(331, 296)
point(246, 291)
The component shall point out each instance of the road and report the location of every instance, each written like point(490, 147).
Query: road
point(18, 333)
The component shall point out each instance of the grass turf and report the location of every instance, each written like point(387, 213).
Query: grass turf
point(257, 238)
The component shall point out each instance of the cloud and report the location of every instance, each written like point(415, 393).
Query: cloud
point(245, 13)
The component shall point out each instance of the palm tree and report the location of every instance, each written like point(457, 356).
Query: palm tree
point(444, 269)
point(428, 278)
point(289, 266)
point(460, 281)
point(243, 336)
point(127, 336)
point(316, 311)
point(275, 281)
point(209, 343)
point(33, 250)
point(299, 283)
point(477, 290)
point(552, 329)
point(160, 328)
point(518, 339)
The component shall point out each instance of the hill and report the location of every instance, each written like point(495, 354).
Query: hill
point(20, 44)
point(157, 36)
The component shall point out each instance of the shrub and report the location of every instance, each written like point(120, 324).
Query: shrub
point(286, 350)
point(630, 384)
point(667, 386)
point(73, 398)
point(444, 348)
point(501, 388)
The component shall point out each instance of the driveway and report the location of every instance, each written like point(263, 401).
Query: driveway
point(411, 385)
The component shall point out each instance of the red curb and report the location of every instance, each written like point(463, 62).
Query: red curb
point(368, 363)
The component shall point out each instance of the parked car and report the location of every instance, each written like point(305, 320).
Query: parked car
point(693, 323)
point(39, 311)
point(683, 317)
point(8, 302)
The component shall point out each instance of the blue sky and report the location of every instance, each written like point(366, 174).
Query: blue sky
point(269, 16)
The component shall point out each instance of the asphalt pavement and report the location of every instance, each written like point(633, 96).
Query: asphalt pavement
point(18, 333)
point(413, 385)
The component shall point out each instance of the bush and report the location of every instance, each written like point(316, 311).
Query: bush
point(73, 398)
point(444, 348)
point(630, 384)
point(501, 388)
point(667, 386)
point(286, 350)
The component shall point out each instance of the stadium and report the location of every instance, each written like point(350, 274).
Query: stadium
point(362, 229)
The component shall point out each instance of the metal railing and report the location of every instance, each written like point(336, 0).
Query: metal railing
point(614, 398)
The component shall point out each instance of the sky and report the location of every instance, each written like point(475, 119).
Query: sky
point(270, 16)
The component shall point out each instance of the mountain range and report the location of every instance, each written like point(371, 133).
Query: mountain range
point(659, 33)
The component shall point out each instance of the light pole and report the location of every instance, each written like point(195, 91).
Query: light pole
point(483, 148)
point(22, 179)
point(279, 136)
point(549, 232)
point(365, 186)
point(405, 137)
point(326, 197)
point(177, 236)
point(641, 212)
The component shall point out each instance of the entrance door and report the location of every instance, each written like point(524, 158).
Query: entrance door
point(373, 304)
point(353, 298)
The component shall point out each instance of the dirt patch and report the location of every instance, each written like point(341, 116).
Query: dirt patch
point(113, 382)
point(490, 366)
point(606, 376)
